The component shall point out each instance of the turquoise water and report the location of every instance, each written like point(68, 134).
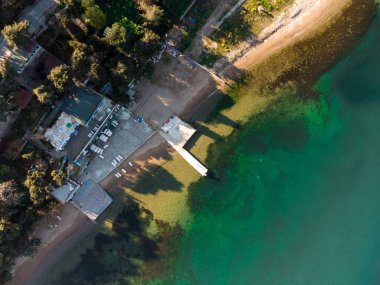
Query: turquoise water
point(300, 200)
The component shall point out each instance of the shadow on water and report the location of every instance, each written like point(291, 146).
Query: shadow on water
point(157, 180)
point(225, 102)
point(291, 136)
point(262, 134)
point(126, 252)
point(114, 255)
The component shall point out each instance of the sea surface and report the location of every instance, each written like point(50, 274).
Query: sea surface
point(299, 200)
point(294, 200)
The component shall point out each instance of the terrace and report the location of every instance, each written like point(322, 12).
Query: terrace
point(85, 134)
point(120, 136)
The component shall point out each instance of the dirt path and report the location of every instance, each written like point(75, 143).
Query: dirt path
point(57, 235)
point(197, 43)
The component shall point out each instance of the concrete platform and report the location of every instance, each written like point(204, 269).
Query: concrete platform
point(127, 137)
point(91, 199)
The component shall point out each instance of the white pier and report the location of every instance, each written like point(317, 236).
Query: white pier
point(177, 133)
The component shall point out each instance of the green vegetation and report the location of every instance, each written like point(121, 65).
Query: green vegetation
point(59, 177)
point(44, 95)
point(21, 204)
point(195, 19)
point(93, 15)
point(10, 10)
point(8, 89)
point(151, 13)
point(61, 78)
point(108, 41)
point(249, 20)
point(116, 36)
point(16, 34)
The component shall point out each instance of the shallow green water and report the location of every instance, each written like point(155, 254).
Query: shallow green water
point(300, 200)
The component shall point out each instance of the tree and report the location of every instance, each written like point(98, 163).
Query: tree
point(6, 105)
point(77, 45)
point(5, 170)
point(6, 71)
point(116, 35)
point(59, 177)
point(29, 155)
point(69, 3)
point(10, 194)
point(8, 231)
point(97, 72)
point(37, 186)
point(87, 3)
point(79, 62)
point(151, 13)
point(120, 77)
point(79, 57)
point(44, 95)
point(149, 43)
point(94, 17)
point(16, 34)
point(120, 71)
point(61, 78)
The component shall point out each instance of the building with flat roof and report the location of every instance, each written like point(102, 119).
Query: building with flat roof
point(82, 104)
point(62, 130)
point(77, 110)
point(20, 58)
point(91, 199)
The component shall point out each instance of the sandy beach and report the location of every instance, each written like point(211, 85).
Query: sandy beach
point(155, 152)
point(313, 15)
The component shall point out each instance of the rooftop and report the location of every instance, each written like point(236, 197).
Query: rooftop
point(65, 192)
point(20, 58)
point(86, 134)
point(81, 103)
point(177, 131)
point(60, 133)
point(91, 199)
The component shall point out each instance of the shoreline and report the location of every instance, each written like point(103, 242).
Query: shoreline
point(155, 152)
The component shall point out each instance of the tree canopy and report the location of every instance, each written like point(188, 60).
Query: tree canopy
point(44, 95)
point(59, 177)
point(116, 35)
point(61, 78)
point(16, 34)
point(151, 13)
point(94, 17)
point(37, 186)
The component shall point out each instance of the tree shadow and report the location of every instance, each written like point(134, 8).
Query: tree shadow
point(222, 119)
point(122, 253)
point(156, 180)
point(290, 136)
